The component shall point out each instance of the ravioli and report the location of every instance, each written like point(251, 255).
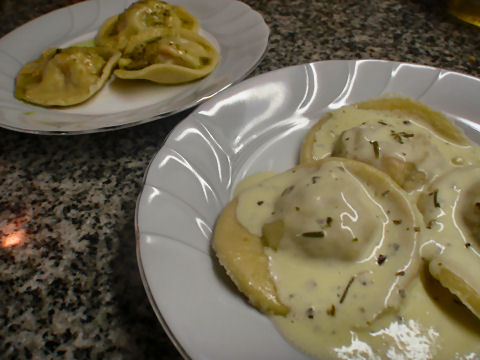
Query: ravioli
point(373, 257)
point(167, 57)
point(404, 138)
point(451, 210)
point(141, 16)
point(64, 77)
point(371, 244)
point(242, 255)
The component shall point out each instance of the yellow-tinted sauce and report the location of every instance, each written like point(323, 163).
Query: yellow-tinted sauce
point(352, 261)
point(380, 138)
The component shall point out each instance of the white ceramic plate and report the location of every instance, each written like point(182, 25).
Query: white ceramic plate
point(254, 126)
point(239, 33)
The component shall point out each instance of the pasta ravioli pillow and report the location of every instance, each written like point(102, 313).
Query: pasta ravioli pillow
point(141, 16)
point(303, 214)
point(64, 77)
point(404, 138)
point(451, 210)
point(167, 57)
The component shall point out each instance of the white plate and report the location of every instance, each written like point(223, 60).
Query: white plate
point(239, 33)
point(254, 126)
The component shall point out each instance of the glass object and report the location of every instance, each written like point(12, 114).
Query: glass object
point(466, 10)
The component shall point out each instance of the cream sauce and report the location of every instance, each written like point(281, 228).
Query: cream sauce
point(347, 261)
point(451, 210)
point(347, 246)
point(380, 138)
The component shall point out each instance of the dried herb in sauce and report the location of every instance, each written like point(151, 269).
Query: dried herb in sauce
point(376, 149)
point(399, 136)
point(314, 234)
point(435, 199)
point(381, 259)
point(310, 313)
point(331, 310)
point(329, 221)
point(344, 295)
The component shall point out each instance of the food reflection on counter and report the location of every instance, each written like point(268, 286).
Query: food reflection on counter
point(151, 40)
point(368, 247)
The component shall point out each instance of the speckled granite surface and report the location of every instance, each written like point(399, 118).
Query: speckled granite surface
point(72, 288)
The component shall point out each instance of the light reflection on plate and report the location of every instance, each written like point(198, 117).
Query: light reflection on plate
point(257, 125)
point(238, 32)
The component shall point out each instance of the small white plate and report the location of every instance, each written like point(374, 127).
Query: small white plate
point(257, 125)
point(238, 32)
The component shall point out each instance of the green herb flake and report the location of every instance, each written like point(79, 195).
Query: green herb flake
point(381, 259)
point(376, 148)
point(344, 295)
point(329, 221)
point(313, 234)
point(435, 198)
point(399, 136)
point(331, 311)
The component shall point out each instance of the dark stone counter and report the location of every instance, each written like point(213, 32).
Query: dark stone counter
point(72, 289)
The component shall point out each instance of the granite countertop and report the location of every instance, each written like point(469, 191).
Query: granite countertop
point(72, 288)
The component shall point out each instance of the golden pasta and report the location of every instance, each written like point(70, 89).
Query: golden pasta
point(64, 77)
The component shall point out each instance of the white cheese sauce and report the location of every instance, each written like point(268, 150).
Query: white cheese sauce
point(409, 151)
point(451, 209)
point(351, 248)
